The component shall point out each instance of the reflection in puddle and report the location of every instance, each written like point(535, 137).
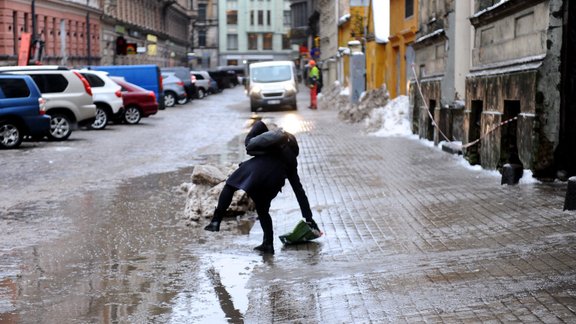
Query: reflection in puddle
point(233, 314)
point(221, 291)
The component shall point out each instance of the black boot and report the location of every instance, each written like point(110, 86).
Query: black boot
point(267, 245)
point(214, 226)
point(265, 248)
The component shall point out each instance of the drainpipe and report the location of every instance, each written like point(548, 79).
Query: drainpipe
point(88, 46)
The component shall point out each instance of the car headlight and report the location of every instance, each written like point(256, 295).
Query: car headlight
point(256, 91)
point(290, 90)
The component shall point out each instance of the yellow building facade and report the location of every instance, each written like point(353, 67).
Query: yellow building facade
point(352, 28)
point(390, 63)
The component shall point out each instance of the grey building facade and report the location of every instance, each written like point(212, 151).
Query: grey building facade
point(253, 30)
point(514, 89)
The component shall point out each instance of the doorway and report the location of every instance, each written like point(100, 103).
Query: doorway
point(430, 129)
point(474, 131)
point(509, 133)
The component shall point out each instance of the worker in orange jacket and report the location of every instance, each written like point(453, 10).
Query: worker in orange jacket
point(314, 79)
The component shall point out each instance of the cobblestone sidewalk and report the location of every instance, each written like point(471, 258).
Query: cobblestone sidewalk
point(413, 235)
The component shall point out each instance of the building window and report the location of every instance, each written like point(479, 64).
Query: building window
point(260, 17)
point(287, 18)
point(299, 14)
point(268, 16)
point(409, 8)
point(267, 41)
point(252, 41)
point(251, 17)
point(202, 38)
point(201, 12)
point(232, 42)
point(232, 17)
point(285, 42)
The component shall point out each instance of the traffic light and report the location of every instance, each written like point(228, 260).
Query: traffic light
point(120, 45)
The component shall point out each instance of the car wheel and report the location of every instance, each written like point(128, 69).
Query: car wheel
point(10, 135)
point(101, 119)
point(169, 99)
point(132, 115)
point(294, 105)
point(60, 127)
point(201, 93)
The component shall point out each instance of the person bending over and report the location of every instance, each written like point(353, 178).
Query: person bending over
point(262, 178)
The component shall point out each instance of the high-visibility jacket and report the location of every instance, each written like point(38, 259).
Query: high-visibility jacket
point(314, 74)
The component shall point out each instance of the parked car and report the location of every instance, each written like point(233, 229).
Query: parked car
point(238, 71)
point(225, 79)
point(138, 102)
point(183, 73)
point(106, 95)
point(22, 110)
point(147, 76)
point(214, 87)
point(68, 97)
point(272, 84)
point(203, 83)
point(173, 89)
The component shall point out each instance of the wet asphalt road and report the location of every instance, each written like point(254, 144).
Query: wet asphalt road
point(411, 234)
point(91, 226)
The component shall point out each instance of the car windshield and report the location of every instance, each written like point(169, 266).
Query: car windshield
point(271, 73)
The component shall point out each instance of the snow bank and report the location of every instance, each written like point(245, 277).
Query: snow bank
point(390, 120)
point(335, 96)
point(204, 190)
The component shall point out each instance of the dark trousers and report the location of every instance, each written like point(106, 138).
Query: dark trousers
point(262, 208)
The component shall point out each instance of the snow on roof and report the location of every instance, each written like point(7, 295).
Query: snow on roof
point(432, 34)
point(518, 65)
point(381, 16)
point(481, 12)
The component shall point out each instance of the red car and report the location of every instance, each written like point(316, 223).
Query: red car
point(138, 102)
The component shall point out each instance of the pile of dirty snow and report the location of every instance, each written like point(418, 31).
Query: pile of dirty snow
point(336, 96)
point(204, 190)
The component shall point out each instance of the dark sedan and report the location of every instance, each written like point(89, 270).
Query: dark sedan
point(138, 102)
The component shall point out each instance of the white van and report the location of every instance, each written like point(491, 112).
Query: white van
point(272, 84)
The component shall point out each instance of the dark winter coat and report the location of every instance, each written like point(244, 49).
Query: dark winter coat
point(263, 176)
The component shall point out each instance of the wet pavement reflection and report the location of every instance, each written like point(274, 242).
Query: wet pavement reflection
point(123, 257)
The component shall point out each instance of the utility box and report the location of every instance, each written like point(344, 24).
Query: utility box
point(357, 71)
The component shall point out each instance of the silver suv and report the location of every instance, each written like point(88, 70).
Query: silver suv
point(174, 91)
point(68, 97)
point(203, 80)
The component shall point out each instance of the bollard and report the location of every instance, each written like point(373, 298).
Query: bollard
point(570, 201)
point(511, 174)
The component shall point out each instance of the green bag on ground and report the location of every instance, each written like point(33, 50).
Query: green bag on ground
point(300, 234)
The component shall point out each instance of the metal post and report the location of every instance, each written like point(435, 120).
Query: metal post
point(88, 49)
point(33, 21)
